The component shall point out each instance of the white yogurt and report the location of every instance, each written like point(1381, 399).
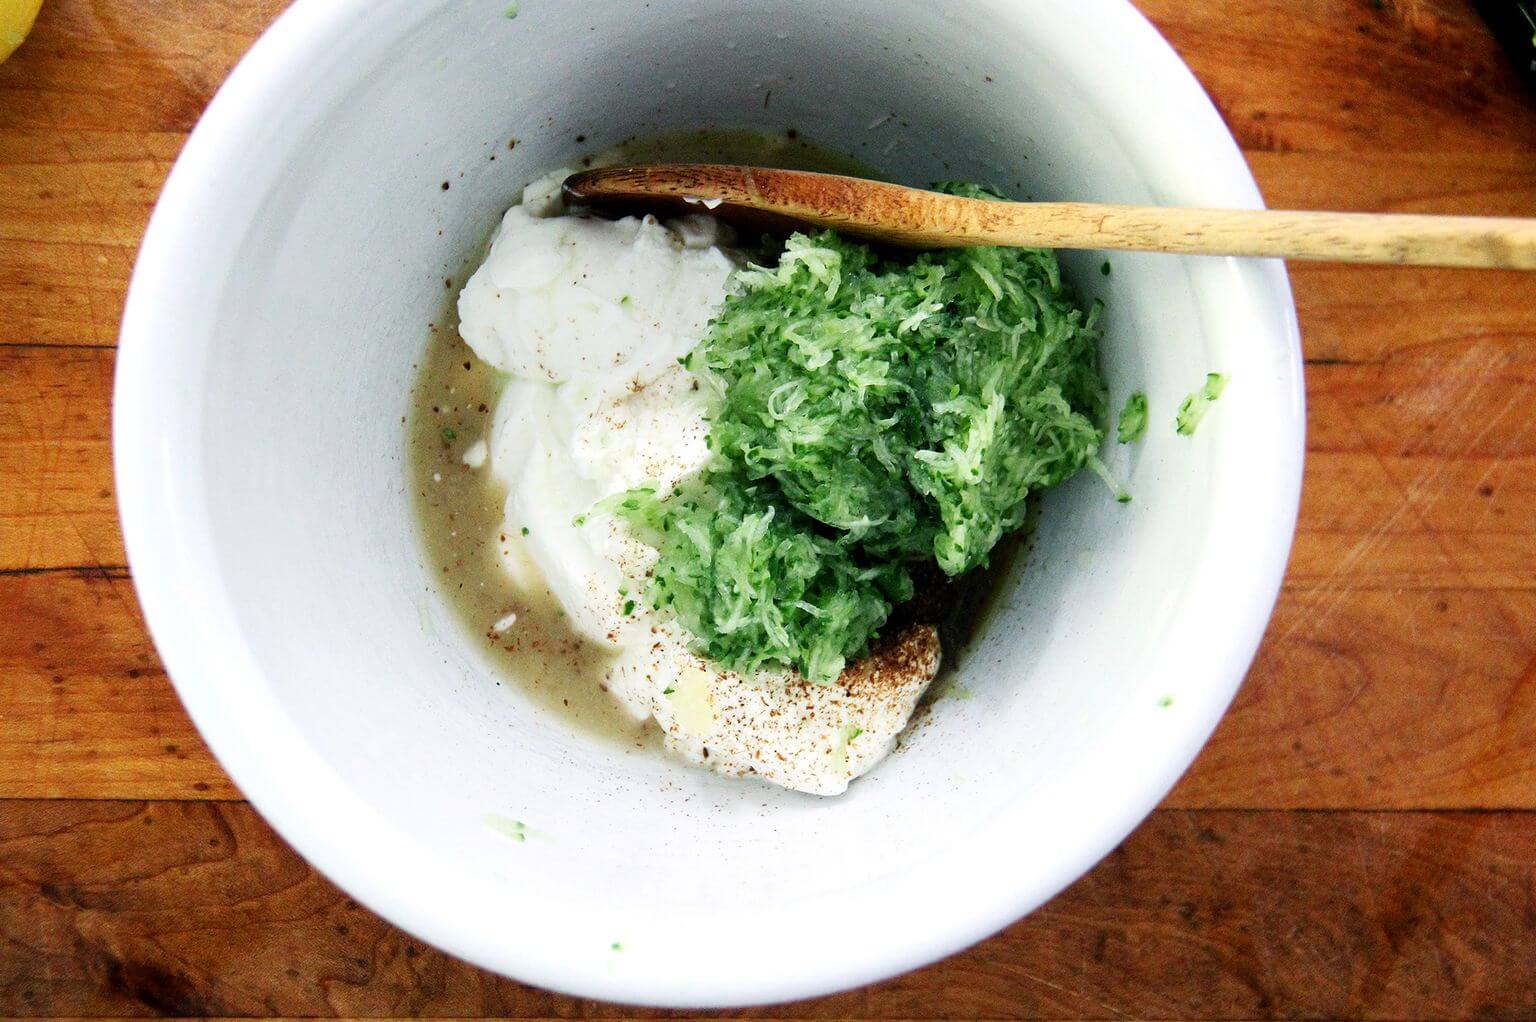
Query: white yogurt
point(589, 318)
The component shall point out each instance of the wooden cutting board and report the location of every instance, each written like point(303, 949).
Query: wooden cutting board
point(1358, 839)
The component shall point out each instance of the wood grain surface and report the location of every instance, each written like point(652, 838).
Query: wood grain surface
point(1358, 840)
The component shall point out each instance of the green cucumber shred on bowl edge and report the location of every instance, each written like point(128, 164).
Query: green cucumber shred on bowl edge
point(872, 413)
point(1194, 407)
point(1133, 419)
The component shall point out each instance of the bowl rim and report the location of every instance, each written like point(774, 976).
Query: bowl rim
point(292, 787)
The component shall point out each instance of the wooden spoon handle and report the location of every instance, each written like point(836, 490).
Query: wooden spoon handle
point(918, 218)
point(1402, 239)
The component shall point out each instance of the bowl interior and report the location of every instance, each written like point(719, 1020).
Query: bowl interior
point(286, 291)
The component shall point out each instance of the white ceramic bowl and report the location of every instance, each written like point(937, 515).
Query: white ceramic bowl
point(284, 291)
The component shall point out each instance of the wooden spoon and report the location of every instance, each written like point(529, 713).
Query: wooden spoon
point(914, 218)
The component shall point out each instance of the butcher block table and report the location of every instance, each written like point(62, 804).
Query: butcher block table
point(1358, 840)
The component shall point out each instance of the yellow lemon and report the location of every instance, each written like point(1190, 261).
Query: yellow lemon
point(16, 18)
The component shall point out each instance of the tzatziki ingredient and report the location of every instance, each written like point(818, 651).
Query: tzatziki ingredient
point(728, 475)
point(877, 412)
point(590, 320)
point(1133, 419)
point(1194, 407)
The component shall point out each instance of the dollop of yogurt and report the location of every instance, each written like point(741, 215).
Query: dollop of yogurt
point(590, 319)
point(565, 298)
